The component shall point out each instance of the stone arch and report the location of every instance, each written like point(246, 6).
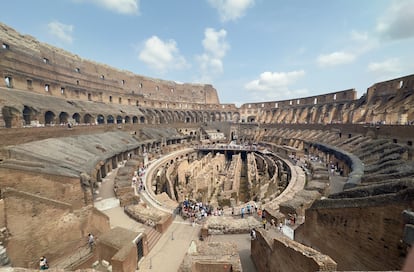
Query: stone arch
point(212, 117)
point(100, 119)
point(134, 119)
point(88, 119)
point(28, 115)
point(142, 120)
point(76, 116)
point(119, 119)
point(236, 117)
point(110, 119)
point(11, 117)
point(251, 119)
point(63, 118)
point(127, 119)
point(50, 118)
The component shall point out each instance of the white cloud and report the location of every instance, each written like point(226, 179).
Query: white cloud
point(162, 55)
point(215, 49)
point(398, 21)
point(276, 85)
point(389, 66)
point(359, 36)
point(61, 31)
point(335, 58)
point(231, 10)
point(119, 6)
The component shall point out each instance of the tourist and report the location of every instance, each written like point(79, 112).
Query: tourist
point(91, 241)
point(248, 208)
point(43, 265)
point(253, 234)
point(242, 212)
point(264, 221)
point(280, 227)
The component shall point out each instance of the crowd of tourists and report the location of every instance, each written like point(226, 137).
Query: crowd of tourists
point(197, 211)
point(138, 179)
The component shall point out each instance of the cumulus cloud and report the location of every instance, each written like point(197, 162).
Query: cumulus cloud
point(119, 6)
point(389, 66)
point(398, 21)
point(162, 55)
point(275, 85)
point(61, 31)
point(231, 10)
point(215, 49)
point(335, 58)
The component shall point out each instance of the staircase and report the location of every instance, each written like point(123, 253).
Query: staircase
point(78, 257)
point(152, 237)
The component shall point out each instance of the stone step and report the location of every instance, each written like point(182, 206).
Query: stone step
point(68, 262)
point(153, 237)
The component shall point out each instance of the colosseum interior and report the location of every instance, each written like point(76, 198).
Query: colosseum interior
point(331, 175)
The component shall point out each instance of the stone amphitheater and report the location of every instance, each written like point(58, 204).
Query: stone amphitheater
point(331, 176)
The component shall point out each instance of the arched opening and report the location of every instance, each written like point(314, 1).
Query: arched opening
point(27, 115)
point(110, 119)
point(134, 119)
point(100, 119)
point(49, 118)
point(127, 119)
point(11, 116)
point(88, 119)
point(76, 116)
point(119, 119)
point(142, 120)
point(63, 118)
point(187, 119)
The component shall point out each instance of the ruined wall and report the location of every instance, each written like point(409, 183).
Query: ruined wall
point(31, 65)
point(339, 96)
point(359, 233)
point(126, 259)
point(278, 253)
point(390, 87)
point(62, 188)
point(40, 226)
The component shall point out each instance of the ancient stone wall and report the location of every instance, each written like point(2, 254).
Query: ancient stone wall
point(276, 253)
point(359, 233)
point(41, 226)
point(390, 88)
point(60, 73)
point(340, 96)
point(60, 188)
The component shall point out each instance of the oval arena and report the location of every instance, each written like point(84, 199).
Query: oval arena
point(167, 178)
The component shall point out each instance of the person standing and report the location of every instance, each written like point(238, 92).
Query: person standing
point(91, 241)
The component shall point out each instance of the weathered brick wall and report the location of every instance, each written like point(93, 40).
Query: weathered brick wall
point(359, 234)
point(276, 253)
point(65, 189)
point(26, 59)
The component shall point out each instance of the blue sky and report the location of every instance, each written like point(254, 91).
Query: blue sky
point(249, 50)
